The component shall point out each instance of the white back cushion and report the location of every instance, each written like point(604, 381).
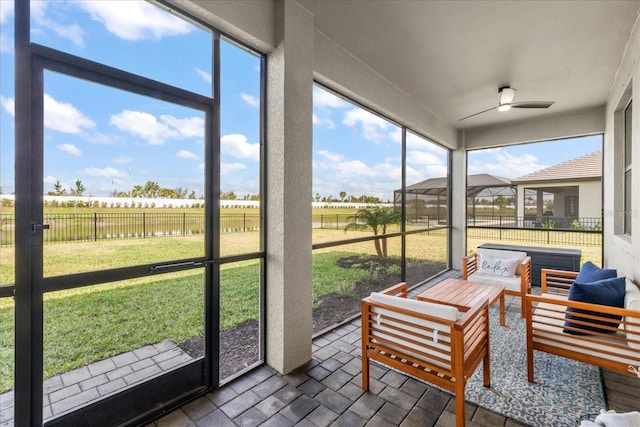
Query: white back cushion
point(441, 311)
point(501, 254)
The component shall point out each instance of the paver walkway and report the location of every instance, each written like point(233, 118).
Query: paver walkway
point(76, 388)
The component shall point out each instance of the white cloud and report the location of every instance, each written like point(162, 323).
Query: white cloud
point(504, 164)
point(9, 105)
point(154, 131)
point(252, 101)
point(64, 117)
point(50, 179)
point(230, 168)
point(135, 20)
point(324, 99)
point(70, 31)
point(186, 154)
point(373, 127)
point(332, 157)
point(356, 177)
point(143, 125)
point(204, 75)
point(107, 172)
point(418, 143)
point(237, 145)
point(6, 40)
point(188, 128)
point(123, 159)
point(6, 11)
point(324, 122)
point(69, 149)
point(415, 175)
point(423, 158)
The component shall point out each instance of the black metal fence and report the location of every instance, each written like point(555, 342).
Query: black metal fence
point(536, 222)
point(542, 230)
point(140, 225)
point(96, 226)
point(339, 221)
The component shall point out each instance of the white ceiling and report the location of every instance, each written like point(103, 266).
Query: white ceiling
point(451, 56)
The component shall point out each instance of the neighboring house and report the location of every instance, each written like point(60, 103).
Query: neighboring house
point(575, 185)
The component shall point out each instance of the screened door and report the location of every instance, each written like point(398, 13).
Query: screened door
point(115, 292)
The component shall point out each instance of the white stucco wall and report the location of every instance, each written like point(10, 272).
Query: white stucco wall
point(620, 251)
point(590, 199)
point(589, 121)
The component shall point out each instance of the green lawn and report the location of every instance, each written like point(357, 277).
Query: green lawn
point(88, 324)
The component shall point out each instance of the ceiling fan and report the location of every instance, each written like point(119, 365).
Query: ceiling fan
point(506, 96)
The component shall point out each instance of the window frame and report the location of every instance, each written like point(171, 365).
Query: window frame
point(628, 166)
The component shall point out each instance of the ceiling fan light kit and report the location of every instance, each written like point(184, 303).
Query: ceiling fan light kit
point(505, 104)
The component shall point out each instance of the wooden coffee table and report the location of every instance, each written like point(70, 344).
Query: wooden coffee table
point(464, 294)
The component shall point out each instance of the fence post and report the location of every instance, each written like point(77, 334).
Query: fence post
point(144, 225)
point(95, 226)
point(184, 223)
point(244, 222)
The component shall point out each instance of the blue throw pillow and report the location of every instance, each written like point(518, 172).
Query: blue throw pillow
point(604, 292)
point(590, 273)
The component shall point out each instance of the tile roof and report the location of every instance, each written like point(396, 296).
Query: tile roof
point(587, 167)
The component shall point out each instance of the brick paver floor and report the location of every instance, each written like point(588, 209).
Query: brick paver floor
point(325, 392)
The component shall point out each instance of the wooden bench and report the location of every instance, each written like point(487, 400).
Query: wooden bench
point(518, 285)
point(608, 347)
point(429, 341)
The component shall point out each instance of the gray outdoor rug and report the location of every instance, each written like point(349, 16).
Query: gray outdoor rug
point(564, 389)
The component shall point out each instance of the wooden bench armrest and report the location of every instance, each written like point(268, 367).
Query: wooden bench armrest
point(588, 315)
point(399, 290)
point(587, 336)
point(556, 281)
point(525, 275)
point(469, 265)
point(472, 315)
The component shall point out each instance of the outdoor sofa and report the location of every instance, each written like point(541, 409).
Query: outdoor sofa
point(512, 269)
point(594, 333)
point(431, 342)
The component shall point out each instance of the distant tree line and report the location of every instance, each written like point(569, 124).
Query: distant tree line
point(345, 198)
point(150, 190)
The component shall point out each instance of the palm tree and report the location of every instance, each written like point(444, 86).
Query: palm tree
point(377, 219)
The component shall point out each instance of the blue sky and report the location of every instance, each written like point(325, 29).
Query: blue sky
point(112, 140)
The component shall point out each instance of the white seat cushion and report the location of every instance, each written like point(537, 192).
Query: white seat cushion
point(632, 302)
point(550, 330)
point(511, 283)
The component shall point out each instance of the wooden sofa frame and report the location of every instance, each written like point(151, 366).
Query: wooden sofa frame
point(466, 343)
point(470, 266)
point(545, 317)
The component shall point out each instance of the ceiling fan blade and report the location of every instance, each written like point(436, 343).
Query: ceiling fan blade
point(479, 112)
point(532, 104)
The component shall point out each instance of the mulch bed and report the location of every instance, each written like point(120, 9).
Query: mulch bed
point(239, 347)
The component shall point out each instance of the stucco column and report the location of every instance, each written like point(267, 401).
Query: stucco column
point(458, 207)
point(288, 205)
point(539, 203)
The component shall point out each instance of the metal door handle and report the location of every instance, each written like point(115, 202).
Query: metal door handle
point(35, 227)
